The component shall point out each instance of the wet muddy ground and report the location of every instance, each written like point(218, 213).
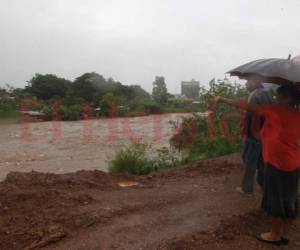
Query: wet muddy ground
point(192, 207)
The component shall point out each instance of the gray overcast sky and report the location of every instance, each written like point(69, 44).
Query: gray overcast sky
point(135, 40)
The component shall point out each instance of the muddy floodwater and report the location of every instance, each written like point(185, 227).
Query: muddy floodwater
point(61, 147)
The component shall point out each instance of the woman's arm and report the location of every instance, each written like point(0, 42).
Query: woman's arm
point(238, 103)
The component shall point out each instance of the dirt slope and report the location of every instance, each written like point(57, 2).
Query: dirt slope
point(193, 207)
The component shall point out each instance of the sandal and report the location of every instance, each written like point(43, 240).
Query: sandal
point(273, 242)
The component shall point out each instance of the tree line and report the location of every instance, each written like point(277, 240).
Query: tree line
point(105, 97)
point(100, 93)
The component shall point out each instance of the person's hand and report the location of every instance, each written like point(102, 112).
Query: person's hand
point(218, 99)
point(213, 102)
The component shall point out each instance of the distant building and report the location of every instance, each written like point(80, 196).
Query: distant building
point(190, 89)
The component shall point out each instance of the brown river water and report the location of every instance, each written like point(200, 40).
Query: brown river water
point(61, 147)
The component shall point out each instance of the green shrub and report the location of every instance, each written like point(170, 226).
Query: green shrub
point(145, 106)
point(192, 134)
point(195, 134)
point(140, 159)
point(48, 111)
point(9, 108)
point(71, 113)
point(205, 149)
point(7, 105)
point(165, 159)
point(131, 160)
point(152, 107)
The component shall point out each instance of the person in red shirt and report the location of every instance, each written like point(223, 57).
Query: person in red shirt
point(280, 136)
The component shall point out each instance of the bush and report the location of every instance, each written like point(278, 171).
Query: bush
point(71, 113)
point(205, 149)
point(131, 160)
point(212, 136)
point(7, 105)
point(48, 111)
point(145, 106)
point(165, 159)
point(9, 109)
point(194, 134)
point(152, 107)
point(136, 160)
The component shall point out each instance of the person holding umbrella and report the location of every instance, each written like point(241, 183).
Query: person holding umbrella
point(252, 148)
point(280, 137)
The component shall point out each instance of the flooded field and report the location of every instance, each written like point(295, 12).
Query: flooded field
point(62, 147)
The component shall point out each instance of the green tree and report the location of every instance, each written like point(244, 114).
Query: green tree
point(139, 92)
point(92, 87)
point(71, 99)
point(47, 86)
point(88, 85)
point(160, 92)
point(3, 93)
point(109, 105)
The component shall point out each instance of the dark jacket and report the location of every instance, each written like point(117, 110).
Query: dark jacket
point(252, 123)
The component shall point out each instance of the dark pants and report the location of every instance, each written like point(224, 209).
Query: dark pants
point(254, 163)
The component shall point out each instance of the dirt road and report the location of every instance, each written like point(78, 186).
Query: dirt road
point(193, 207)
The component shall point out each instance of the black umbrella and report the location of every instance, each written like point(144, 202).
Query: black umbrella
point(274, 70)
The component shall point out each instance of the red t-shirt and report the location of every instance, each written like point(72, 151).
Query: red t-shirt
point(281, 137)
